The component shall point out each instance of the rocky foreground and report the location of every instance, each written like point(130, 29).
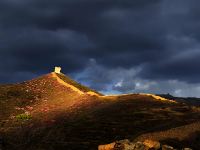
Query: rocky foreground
point(145, 145)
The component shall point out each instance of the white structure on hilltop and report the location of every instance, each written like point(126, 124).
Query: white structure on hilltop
point(57, 69)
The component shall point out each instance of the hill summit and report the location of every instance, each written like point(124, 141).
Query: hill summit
point(73, 85)
point(54, 90)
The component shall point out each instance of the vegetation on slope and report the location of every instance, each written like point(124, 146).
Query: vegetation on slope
point(38, 96)
point(76, 84)
point(93, 121)
point(187, 135)
point(44, 114)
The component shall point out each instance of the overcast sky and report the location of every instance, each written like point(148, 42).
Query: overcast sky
point(114, 46)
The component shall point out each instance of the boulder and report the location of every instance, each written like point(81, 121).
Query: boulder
point(107, 146)
point(138, 146)
point(127, 145)
point(167, 147)
point(152, 144)
point(123, 145)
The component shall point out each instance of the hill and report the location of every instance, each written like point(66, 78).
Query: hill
point(55, 112)
point(45, 90)
point(188, 100)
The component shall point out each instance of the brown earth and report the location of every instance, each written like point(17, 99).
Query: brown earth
point(57, 117)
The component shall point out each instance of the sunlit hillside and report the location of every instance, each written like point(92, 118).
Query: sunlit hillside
point(55, 112)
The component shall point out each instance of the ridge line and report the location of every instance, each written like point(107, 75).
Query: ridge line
point(66, 84)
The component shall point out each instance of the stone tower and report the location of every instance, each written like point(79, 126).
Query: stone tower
point(57, 69)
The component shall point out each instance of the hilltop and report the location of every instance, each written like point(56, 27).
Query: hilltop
point(55, 112)
point(50, 89)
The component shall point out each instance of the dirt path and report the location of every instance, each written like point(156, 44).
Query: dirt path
point(66, 84)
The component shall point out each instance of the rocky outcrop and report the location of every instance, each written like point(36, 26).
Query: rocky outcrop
point(145, 145)
point(152, 144)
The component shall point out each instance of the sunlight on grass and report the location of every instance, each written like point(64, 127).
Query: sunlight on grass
point(23, 117)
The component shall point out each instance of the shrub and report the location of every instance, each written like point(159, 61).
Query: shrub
point(23, 116)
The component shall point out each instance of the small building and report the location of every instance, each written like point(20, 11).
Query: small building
point(57, 70)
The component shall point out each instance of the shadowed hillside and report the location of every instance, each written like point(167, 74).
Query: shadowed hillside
point(55, 112)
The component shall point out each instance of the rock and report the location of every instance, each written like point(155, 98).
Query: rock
point(127, 145)
point(107, 146)
point(122, 145)
point(139, 146)
point(167, 147)
point(152, 144)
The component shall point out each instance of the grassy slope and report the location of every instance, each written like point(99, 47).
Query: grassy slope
point(61, 119)
point(41, 94)
point(76, 84)
point(177, 137)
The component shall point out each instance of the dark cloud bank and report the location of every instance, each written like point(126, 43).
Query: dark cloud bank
point(111, 45)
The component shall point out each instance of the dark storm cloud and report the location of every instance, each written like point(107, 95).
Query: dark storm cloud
point(159, 37)
point(34, 49)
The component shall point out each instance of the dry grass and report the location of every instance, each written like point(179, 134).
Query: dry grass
point(63, 119)
point(183, 136)
point(76, 84)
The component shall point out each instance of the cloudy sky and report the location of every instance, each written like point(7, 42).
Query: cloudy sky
point(114, 46)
